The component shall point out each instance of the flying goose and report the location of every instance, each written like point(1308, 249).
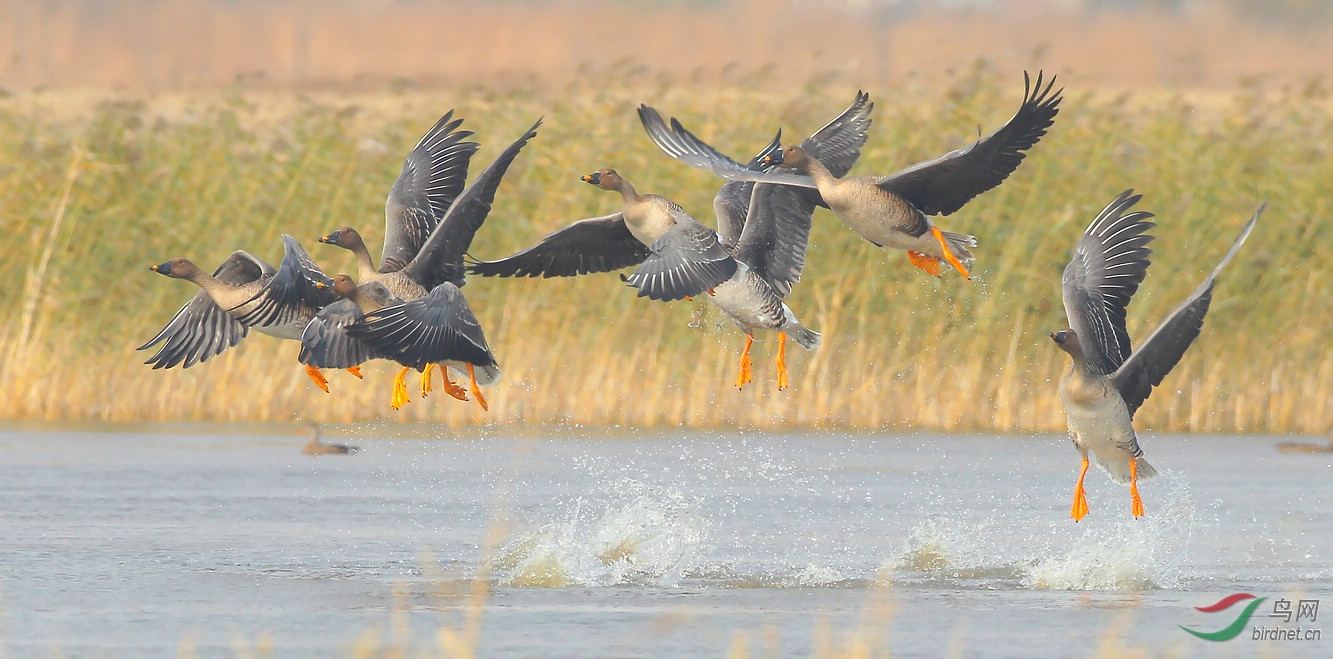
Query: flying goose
point(339, 335)
point(622, 239)
point(764, 226)
point(891, 211)
point(438, 329)
point(1109, 381)
point(597, 244)
point(683, 262)
point(324, 340)
point(747, 265)
point(432, 177)
point(438, 264)
point(242, 293)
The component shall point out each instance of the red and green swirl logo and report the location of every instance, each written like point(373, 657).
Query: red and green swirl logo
point(1234, 629)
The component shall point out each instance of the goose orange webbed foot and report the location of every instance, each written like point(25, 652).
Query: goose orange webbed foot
point(452, 388)
point(928, 263)
point(355, 370)
point(745, 375)
point(425, 380)
point(1136, 501)
point(948, 253)
point(399, 397)
point(320, 380)
point(476, 391)
point(1080, 509)
point(782, 361)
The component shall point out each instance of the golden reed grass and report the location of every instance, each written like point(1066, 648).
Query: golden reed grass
point(107, 182)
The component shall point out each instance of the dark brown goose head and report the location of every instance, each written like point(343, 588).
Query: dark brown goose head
point(791, 155)
point(346, 238)
point(606, 179)
point(177, 268)
point(344, 286)
point(1067, 339)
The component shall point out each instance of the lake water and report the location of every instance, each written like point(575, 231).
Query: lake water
point(212, 542)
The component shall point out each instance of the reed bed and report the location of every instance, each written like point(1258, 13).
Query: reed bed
point(92, 193)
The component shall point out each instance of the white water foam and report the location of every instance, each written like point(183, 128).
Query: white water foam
point(1125, 553)
point(1110, 552)
point(644, 536)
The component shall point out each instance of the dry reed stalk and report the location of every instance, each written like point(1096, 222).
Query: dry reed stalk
point(35, 280)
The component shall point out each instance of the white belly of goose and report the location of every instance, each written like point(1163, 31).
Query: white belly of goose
point(1101, 424)
point(748, 301)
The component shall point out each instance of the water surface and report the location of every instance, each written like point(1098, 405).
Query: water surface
point(144, 543)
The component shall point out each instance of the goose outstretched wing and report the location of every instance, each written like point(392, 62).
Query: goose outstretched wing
point(441, 257)
point(432, 176)
point(687, 260)
point(201, 329)
point(1109, 263)
point(943, 185)
point(597, 244)
point(1162, 350)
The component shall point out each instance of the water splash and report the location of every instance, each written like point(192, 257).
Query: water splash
point(645, 536)
point(1108, 552)
point(1125, 553)
point(948, 551)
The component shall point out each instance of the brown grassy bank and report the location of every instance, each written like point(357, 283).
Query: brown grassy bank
point(203, 174)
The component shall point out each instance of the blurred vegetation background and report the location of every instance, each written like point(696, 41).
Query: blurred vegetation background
point(182, 129)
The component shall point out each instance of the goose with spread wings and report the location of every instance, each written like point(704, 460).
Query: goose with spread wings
point(761, 269)
point(765, 227)
point(622, 239)
point(339, 336)
point(893, 211)
point(411, 331)
point(432, 177)
point(1109, 381)
point(747, 266)
point(242, 293)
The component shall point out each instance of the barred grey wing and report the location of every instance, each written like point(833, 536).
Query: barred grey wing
point(433, 175)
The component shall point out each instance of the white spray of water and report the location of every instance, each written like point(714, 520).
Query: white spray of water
point(1106, 552)
point(643, 536)
point(1125, 553)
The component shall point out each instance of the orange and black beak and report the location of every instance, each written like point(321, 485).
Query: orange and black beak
point(331, 239)
point(594, 178)
point(1061, 337)
point(162, 268)
point(774, 158)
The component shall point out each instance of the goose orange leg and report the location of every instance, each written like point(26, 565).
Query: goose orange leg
point(948, 254)
point(745, 375)
point(476, 391)
point(451, 388)
point(782, 361)
point(355, 370)
point(1134, 487)
point(320, 380)
point(928, 263)
point(1080, 509)
point(425, 380)
point(399, 397)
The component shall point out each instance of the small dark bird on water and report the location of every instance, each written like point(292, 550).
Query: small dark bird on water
point(315, 447)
